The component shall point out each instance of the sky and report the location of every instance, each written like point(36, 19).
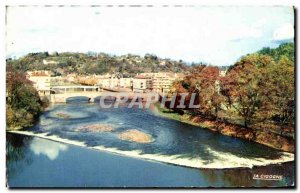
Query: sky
point(217, 35)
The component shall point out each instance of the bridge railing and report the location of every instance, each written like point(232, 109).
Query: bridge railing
point(72, 89)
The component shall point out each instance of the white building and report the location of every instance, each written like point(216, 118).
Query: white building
point(158, 82)
point(49, 62)
point(141, 84)
point(41, 81)
point(161, 82)
point(126, 82)
point(222, 73)
point(114, 81)
point(104, 82)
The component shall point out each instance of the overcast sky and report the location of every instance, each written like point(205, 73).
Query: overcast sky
point(215, 35)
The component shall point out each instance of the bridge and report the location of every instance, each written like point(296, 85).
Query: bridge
point(60, 94)
point(76, 88)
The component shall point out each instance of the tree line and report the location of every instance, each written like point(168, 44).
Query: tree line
point(257, 91)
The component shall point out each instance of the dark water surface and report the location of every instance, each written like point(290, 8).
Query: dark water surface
point(58, 164)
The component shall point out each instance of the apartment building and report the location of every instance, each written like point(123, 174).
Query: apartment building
point(114, 81)
point(161, 82)
point(41, 81)
point(141, 84)
point(157, 82)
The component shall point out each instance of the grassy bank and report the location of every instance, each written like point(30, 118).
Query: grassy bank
point(167, 113)
point(259, 136)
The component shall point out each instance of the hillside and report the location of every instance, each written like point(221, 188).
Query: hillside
point(93, 63)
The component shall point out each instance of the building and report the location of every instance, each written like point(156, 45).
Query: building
point(49, 62)
point(161, 82)
point(141, 84)
point(125, 82)
point(114, 81)
point(222, 73)
point(103, 82)
point(41, 81)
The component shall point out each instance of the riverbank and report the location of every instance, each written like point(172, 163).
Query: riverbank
point(262, 137)
point(25, 123)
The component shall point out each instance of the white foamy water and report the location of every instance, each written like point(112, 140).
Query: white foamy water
point(221, 160)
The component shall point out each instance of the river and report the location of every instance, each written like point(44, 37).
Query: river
point(180, 155)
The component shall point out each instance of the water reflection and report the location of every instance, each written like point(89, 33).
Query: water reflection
point(47, 148)
point(244, 177)
point(17, 153)
point(79, 99)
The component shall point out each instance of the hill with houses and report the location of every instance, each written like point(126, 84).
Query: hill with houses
point(96, 63)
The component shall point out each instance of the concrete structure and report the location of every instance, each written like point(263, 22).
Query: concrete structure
point(141, 84)
point(114, 81)
point(104, 82)
point(62, 97)
point(158, 82)
point(49, 62)
point(161, 82)
point(126, 82)
point(41, 81)
point(75, 88)
point(62, 93)
point(222, 73)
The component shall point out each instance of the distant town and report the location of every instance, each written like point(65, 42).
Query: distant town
point(161, 82)
point(53, 74)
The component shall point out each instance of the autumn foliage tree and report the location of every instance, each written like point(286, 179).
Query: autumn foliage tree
point(23, 103)
point(279, 91)
point(259, 89)
point(203, 82)
point(242, 86)
point(208, 88)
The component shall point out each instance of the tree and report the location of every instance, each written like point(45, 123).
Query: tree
point(242, 86)
point(204, 81)
point(284, 50)
point(279, 90)
point(23, 103)
point(209, 98)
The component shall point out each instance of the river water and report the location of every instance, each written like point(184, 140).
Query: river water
point(179, 155)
